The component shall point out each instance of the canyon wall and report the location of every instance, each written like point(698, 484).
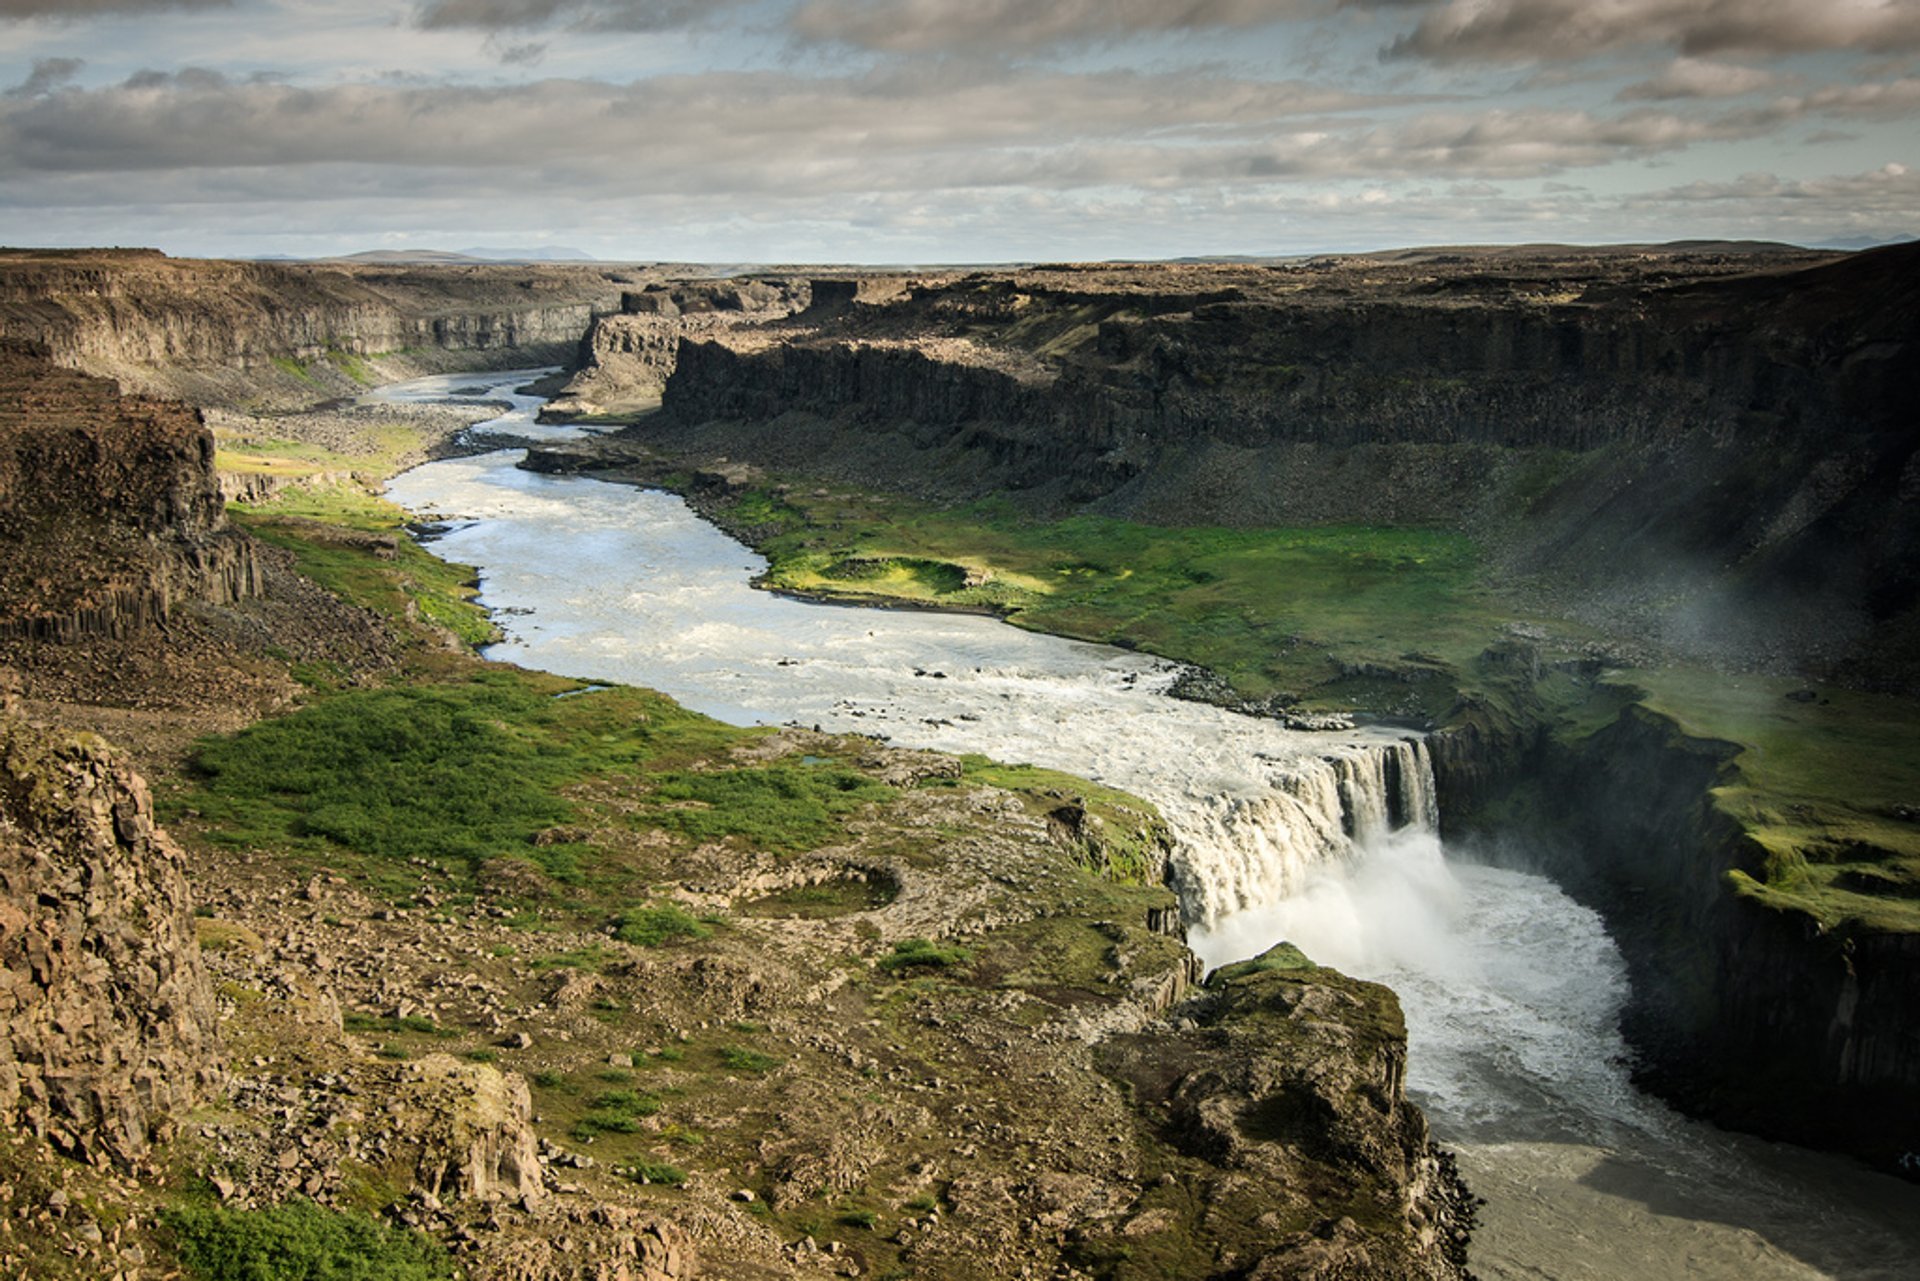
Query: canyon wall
point(626, 357)
point(1751, 1012)
point(283, 333)
point(1632, 433)
point(109, 507)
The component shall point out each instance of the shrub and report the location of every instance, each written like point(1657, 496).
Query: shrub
point(300, 1241)
point(912, 952)
point(654, 926)
point(657, 1172)
point(742, 1059)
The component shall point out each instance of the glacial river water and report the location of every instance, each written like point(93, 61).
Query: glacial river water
point(1512, 991)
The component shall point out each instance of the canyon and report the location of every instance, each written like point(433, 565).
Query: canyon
point(1692, 459)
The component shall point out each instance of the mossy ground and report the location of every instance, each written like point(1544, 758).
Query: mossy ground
point(1827, 782)
point(1330, 614)
point(382, 446)
point(408, 585)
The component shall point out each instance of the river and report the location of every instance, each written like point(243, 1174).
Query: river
point(1512, 991)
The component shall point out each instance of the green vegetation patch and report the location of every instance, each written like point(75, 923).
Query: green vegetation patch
point(1826, 781)
point(923, 954)
point(1115, 834)
point(292, 368)
point(300, 1241)
point(656, 1172)
point(356, 545)
point(1274, 610)
point(740, 1058)
point(615, 1112)
point(457, 773)
point(657, 926)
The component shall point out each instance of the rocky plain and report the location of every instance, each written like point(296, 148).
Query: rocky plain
point(941, 1024)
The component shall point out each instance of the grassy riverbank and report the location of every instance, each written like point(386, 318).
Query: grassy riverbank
point(1334, 617)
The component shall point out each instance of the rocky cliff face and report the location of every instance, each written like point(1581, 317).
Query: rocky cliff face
point(1751, 1013)
point(109, 507)
point(1635, 430)
point(108, 1014)
point(235, 332)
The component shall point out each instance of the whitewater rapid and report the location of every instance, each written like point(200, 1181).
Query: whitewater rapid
point(1512, 991)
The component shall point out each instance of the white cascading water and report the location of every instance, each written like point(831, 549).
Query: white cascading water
point(1512, 991)
point(1238, 851)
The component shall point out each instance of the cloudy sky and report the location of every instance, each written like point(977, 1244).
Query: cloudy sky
point(953, 130)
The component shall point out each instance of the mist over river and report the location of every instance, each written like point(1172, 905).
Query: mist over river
point(1512, 991)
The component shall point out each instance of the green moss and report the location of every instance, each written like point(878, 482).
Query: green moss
point(739, 1058)
point(1274, 610)
point(293, 368)
point(352, 365)
point(300, 1241)
point(457, 773)
point(384, 1023)
point(1822, 783)
point(1279, 957)
point(657, 1172)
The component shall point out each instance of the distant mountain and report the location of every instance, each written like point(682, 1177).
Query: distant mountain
point(402, 256)
point(416, 256)
point(542, 253)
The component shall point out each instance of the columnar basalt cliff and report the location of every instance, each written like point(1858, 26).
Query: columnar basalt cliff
point(109, 507)
point(108, 1013)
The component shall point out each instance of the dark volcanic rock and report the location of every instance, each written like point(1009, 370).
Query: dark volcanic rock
point(110, 510)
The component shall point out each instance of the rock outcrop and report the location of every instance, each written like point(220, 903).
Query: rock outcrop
point(109, 1021)
point(627, 356)
point(110, 509)
point(1289, 1073)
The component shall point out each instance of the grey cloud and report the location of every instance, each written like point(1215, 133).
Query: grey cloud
point(592, 15)
point(1700, 78)
point(15, 10)
point(529, 54)
point(933, 26)
point(47, 74)
point(1550, 30)
point(769, 135)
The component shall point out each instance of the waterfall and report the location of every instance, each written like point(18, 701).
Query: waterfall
point(1237, 851)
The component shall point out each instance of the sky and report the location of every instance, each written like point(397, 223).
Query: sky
point(953, 131)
